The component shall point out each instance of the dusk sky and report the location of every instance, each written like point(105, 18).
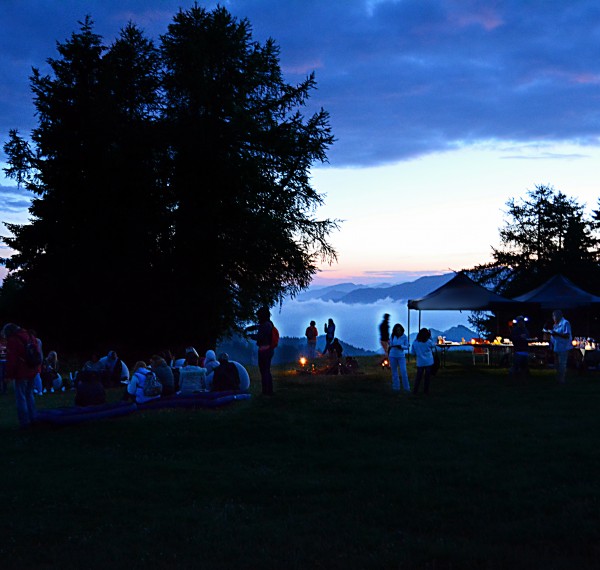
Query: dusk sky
point(442, 111)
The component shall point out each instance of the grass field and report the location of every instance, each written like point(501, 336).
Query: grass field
point(330, 472)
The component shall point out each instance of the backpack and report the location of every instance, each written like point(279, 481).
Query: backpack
point(33, 356)
point(152, 387)
point(274, 337)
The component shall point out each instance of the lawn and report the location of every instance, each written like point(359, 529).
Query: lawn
point(330, 472)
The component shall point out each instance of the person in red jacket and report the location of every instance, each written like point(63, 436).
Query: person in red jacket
point(18, 370)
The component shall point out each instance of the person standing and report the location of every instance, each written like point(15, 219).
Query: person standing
point(422, 348)
point(20, 371)
point(264, 340)
point(384, 334)
point(519, 336)
point(329, 330)
point(311, 334)
point(397, 355)
point(561, 338)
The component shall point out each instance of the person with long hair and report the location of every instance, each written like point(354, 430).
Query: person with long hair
point(329, 330)
point(422, 348)
point(397, 357)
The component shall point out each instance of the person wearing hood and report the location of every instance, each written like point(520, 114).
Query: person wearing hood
point(136, 385)
point(210, 363)
point(18, 370)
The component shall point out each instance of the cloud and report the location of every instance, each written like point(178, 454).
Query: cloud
point(399, 78)
point(357, 324)
point(14, 204)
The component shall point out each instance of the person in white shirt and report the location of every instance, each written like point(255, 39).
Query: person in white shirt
point(561, 338)
point(192, 378)
point(398, 347)
point(422, 348)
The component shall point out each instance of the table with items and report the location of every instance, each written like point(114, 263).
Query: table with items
point(586, 353)
point(499, 350)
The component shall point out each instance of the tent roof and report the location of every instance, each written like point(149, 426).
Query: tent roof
point(559, 293)
point(460, 293)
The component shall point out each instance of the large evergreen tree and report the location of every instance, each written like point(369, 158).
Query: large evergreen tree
point(241, 149)
point(172, 187)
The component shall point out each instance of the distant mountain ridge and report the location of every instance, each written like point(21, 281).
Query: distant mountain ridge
point(350, 293)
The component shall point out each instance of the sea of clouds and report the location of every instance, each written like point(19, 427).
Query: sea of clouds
point(358, 324)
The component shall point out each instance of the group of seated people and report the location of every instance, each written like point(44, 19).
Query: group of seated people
point(159, 378)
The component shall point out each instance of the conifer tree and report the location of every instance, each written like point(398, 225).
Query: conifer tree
point(172, 192)
point(544, 233)
point(244, 231)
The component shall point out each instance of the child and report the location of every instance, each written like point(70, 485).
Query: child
point(422, 348)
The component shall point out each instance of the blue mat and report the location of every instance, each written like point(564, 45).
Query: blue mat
point(77, 414)
point(201, 400)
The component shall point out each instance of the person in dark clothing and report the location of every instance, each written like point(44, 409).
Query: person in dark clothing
point(89, 389)
point(519, 336)
point(164, 373)
point(18, 369)
point(226, 375)
point(329, 329)
point(336, 348)
point(384, 334)
point(311, 335)
point(263, 337)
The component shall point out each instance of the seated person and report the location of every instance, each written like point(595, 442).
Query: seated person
point(164, 373)
point(51, 379)
point(89, 390)
point(137, 384)
point(192, 378)
point(210, 363)
point(107, 366)
point(335, 348)
point(226, 375)
point(180, 362)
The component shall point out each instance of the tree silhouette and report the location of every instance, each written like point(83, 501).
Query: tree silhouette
point(172, 186)
point(545, 233)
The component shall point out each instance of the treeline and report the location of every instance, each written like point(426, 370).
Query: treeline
point(171, 186)
point(545, 233)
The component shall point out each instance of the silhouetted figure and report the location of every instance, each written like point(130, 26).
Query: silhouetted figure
point(263, 337)
point(329, 329)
